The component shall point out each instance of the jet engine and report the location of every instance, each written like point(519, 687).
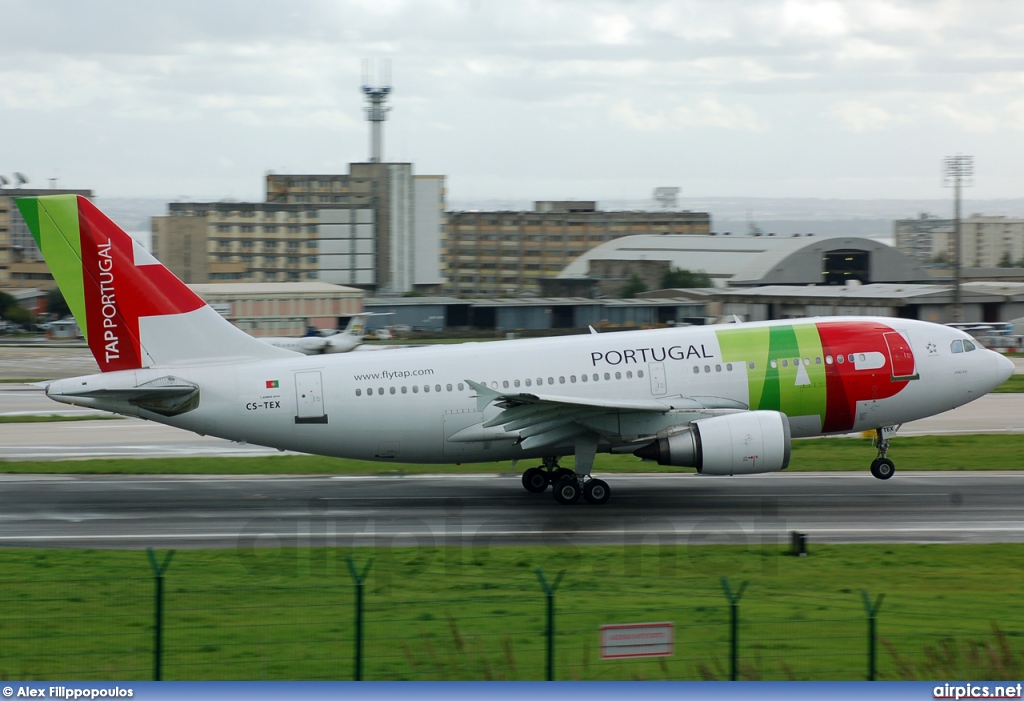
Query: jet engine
point(744, 443)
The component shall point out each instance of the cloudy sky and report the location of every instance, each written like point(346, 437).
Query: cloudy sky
point(520, 99)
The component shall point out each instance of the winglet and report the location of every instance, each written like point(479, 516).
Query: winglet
point(484, 394)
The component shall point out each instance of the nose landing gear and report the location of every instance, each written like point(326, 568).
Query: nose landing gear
point(882, 467)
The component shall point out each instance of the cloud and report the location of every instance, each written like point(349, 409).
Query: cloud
point(709, 112)
point(857, 116)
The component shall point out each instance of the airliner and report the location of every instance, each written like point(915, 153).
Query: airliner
point(342, 342)
point(724, 400)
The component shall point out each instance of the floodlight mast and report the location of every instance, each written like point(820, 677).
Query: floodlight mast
point(376, 112)
point(958, 172)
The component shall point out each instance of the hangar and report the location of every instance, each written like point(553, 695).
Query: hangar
point(737, 261)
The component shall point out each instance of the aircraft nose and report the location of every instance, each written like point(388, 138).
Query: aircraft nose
point(1004, 368)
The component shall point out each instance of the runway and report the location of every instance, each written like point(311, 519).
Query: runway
point(480, 511)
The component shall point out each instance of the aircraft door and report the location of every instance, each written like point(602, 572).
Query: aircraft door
point(901, 356)
point(309, 398)
point(659, 385)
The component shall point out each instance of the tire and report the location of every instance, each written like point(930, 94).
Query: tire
point(535, 480)
point(561, 472)
point(567, 490)
point(883, 468)
point(596, 491)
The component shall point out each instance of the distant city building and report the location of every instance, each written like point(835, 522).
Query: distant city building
point(21, 262)
point(378, 228)
point(986, 241)
point(508, 253)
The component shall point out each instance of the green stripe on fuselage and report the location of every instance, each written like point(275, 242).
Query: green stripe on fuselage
point(796, 388)
point(55, 222)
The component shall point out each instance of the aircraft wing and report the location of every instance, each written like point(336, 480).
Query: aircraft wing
point(538, 420)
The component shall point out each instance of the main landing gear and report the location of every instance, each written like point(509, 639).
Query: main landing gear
point(568, 486)
point(882, 467)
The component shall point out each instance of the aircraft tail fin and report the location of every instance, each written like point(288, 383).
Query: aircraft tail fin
point(133, 311)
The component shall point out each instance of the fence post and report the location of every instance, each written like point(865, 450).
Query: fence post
point(550, 590)
point(872, 611)
point(158, 627)
point(734, 628)
point(358, 577)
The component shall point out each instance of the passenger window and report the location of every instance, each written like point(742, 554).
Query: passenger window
point(957, 346)
point(828, 360)
point(707, 368)
point(516, 383)
point(696, 370)
point(437, 388)
point(607, 376)
point(629, 374)
point(595, 377)
point(817, 360)
point(807, 361)
point(392, 390)
point(415, 389)
point(460, 387)
point(718, 368)
point(618, 376)
point(751, 365)
point(639, 373)
point(369, 391)
point(449, 387)
point(359, 392)
point(584, 377)
point(840, 359)
point(529, 382)
point(728, 367)
point(404, 390)
point(572, 379)
point(551, 380)
point(785, 362)
point(561, 380)
point(774, 364)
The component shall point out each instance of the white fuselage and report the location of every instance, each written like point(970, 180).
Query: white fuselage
point(406, 405)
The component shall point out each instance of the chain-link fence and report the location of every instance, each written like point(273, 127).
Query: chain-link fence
point(326, 616)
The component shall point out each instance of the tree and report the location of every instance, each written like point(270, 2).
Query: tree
point(1005, 261)
point(12, 311)
point(56, 304)
point(634, 287)
point(676, 278)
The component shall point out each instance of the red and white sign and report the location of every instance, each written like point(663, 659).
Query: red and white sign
point(637, 640)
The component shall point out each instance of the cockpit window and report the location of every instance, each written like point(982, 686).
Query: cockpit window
point(968, 346)
point(957, 346)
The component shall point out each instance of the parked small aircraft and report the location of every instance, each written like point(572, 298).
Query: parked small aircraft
point(342, 342)
point(725, 399)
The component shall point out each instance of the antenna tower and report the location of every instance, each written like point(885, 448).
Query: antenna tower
point(958, 172)
point(376, 112)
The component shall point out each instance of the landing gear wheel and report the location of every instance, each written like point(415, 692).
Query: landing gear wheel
point(567, 490)
point(535, 480)
point(596, 491)
point(559, 472)
point(883, 468)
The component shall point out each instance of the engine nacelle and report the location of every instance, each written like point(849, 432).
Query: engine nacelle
point(744, 443)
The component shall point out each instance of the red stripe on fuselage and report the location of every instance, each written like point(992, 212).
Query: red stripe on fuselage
point(845, 385)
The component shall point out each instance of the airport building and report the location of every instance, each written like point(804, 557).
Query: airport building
point(379, 228)
point(985, 241)
point(510, 252)
point(283, 308)
point(736, 261)
point(21, 262)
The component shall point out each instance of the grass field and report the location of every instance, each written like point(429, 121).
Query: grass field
point(479, 612)
point(966, 452)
